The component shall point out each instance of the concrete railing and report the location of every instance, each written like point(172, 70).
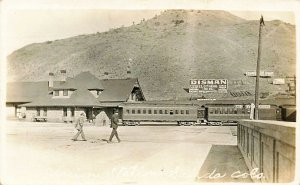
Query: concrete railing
point(268, 148)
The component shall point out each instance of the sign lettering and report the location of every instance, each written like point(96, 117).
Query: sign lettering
point(208, 85)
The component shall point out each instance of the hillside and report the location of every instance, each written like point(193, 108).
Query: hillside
point(167, 51)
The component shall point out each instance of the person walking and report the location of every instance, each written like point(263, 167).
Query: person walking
point(114, 126)
point(79, 127)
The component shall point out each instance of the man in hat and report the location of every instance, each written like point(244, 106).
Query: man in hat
point(78, 127)
point(114, 125)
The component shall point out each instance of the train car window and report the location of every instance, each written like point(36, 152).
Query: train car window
point(226, 110)
point(171, 112)
point(187, 111)
point(133, 111)
point(181, 111)
point(211, 111)
point(248, 110)
point(216, 111)
point(235, 111)
point(243, 110)
point(149, 111)
point(139, 111)
point(176, 111)
point(160, 111)
point(155, 112)
point(166, 112)
point(230, 111)
point(220, 110)
point(144, 111)
point(127, 111)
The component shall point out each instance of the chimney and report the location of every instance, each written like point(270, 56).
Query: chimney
point(50, 82)
point(63, 75)
point(128, 72)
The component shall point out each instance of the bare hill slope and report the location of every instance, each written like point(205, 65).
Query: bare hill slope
point(166, 51)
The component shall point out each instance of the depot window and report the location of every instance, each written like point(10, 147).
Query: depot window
point(181, 111)
point(166, 112)
point(139, 111)
point(65, 92)
point(160, 111)
point(72, 112)
point(133, 111)
point(144, 111)
point(44, 111)
point(127, 111)
point(56, 93)
point(38, 111)
point(187, 112)
point(149, 111)
point(65, 111)
point(155, 111)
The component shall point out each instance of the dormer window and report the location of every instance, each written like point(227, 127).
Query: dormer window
point(96, 92)
point(65, 93)
point(56, 93)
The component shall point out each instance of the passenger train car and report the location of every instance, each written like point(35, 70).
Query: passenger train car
point(229, 113)
point(209, 113)
point(135, 113)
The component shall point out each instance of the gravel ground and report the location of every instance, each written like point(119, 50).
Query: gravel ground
point(43, 153)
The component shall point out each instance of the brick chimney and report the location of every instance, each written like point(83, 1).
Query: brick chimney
point(50, 82)
point(63, 74)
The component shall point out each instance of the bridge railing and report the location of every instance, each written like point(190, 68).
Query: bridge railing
point(268, 148)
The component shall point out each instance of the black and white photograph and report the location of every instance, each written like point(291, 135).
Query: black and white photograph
point(149, 92)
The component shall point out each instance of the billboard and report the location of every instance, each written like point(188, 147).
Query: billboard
point(278, 81)
point(262, 73)
point(208, 85)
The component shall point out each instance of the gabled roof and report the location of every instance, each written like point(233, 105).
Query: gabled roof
point(25, 91)
point(84, 80)
point(38, 94)
point(117, 89)
point(80, 97)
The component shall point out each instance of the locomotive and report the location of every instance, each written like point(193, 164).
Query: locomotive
point(208, 113)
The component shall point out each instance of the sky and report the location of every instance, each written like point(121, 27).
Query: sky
point(32, 26)
point(34, 21)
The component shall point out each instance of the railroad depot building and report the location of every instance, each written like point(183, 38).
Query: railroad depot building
point(66, 99)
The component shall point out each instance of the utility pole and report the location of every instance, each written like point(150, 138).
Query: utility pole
point(261, 23)
point(292, 87)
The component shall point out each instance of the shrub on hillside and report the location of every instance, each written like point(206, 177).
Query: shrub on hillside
point(177, 22)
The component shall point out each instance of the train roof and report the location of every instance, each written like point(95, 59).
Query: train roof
point(202, 102)
point(158, 103)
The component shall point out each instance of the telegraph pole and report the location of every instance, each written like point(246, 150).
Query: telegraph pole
point(292, 87)
point(261, 23)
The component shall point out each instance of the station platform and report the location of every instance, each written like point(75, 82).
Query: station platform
point(224, 163)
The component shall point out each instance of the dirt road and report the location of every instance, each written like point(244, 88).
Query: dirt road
point(43, 153)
